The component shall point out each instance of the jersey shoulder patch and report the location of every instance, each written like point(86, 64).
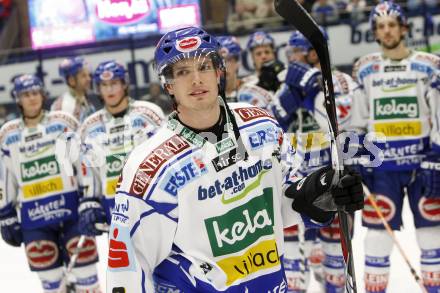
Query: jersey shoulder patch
point(67, 119)
point(146, 160)
point(150, 110)
point(9, 128)
point(366, 65)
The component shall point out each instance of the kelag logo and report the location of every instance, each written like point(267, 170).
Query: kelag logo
point(114, 164)
point(242, 226)
point(234, 187)
point(189, 169)
point(40, 168)
point(396, 107)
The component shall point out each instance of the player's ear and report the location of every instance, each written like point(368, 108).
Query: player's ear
point(169, 88)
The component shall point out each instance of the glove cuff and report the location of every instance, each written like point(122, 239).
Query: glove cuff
point(89, 203)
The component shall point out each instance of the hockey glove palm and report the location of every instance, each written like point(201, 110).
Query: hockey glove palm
point(90, 212)
point(430, 173)
point(315, 197)
point(11, 229)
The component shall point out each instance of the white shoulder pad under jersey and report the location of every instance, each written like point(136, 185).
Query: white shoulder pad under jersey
point(195, 213)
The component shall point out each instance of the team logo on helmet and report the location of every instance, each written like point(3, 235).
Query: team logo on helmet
point(382, 7)
point(430, 209)
point(188, 44)
point(106, 75)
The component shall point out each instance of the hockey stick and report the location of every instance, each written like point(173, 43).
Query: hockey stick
point(296, 15)
point(72, 262)
point(393, 237)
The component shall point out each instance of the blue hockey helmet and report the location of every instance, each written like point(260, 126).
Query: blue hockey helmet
point(109, 70)
point(260, 38)
point(25, 83)
point(229, 46)
point(297, 40)
point(387, 8)
point(182, 44)
point(71, 66)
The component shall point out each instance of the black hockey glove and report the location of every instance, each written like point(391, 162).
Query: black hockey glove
point(268, 78)
point(10, 228)
point(315, 197)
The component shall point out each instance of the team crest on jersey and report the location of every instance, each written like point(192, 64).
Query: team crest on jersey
point(430, 209)
point(188, 44)
point(387, 207)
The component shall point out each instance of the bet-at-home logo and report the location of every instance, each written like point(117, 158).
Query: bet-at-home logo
point(238, 184)
point(396, 108)
point(40, 168)
point(241, 227)
point(114, 164)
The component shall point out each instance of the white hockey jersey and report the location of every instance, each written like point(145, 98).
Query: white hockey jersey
point(197, 217)
point(107, 141)
point(395, 100)
point(35, 177)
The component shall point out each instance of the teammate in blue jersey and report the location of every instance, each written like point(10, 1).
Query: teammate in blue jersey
point(39, 201)
point(76, 73)
point(397, 101)
point(202, 208)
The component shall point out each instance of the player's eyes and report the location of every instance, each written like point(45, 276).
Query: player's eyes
point(205, 67)
point(182, 72)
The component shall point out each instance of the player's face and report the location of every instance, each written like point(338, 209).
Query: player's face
point(312, 57)
point(83, 80)
point(194, 84)
point(389, 32)
point(262, 54)
point(112, 91)
point(297, 55)
point(31, 103)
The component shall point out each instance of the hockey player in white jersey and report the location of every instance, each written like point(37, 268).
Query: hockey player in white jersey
point(108, 136)
point(76, 73)
point(202, 208)
point(39, 201)
point(396, 99)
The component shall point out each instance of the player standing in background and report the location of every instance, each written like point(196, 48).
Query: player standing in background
point(108, 136)
point(202, 208)
point(396, 99)
point(76, 74)
point(40, 188)
point(230, 51)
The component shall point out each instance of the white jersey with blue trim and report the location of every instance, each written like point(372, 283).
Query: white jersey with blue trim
point(107, 140)
point(197, 217)
point(34, 177)
point(394, 99)
point(68, 103)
